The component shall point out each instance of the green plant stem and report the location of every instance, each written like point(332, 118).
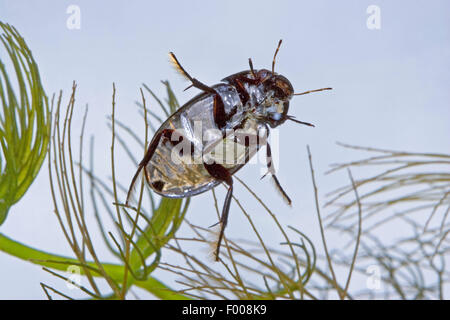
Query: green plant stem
point(57, 262)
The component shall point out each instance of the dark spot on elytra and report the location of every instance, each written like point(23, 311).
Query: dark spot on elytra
point(158, 185)
point(192, 150)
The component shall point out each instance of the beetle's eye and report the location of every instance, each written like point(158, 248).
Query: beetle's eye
point(275, 116)
point(278, 93)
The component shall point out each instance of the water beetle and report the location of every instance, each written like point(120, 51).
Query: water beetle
point(216, 133)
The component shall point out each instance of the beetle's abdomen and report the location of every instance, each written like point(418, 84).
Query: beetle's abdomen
point(191, 136)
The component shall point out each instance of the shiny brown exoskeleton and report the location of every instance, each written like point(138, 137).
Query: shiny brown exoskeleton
point(216, 133)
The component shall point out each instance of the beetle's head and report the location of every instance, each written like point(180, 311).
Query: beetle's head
point(278, 91)
point(274, 92)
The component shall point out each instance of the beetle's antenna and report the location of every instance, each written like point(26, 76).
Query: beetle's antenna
point(251, 67)
point(275, 55)
point(310, 91)
point(292, 118)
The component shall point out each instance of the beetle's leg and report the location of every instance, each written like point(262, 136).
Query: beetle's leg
point(272, 172)
point(220, 116)
point(260, 141)
point(221, 173)
point(148, 155)
point(242, 91)
point(248, 80)
point(195, 82)
point(251, 67)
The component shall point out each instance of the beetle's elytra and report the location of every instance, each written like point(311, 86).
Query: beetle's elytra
point(215, 134)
